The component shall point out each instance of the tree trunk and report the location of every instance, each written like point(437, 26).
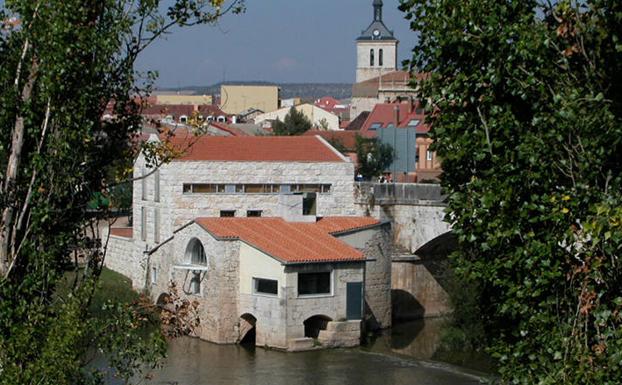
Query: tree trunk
point(17, 143)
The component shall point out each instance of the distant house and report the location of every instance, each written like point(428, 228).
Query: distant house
point(176, 99)
point(334, 106)
point(262, 232)
point(402, 125)
point(317, 116)
point(182, 113)
point(234, 99)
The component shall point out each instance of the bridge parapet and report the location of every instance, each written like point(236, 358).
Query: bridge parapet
point(398, 193)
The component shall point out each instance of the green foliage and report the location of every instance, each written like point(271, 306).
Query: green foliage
point(338, 144)
point(525, 107)
point(62, 68)
point(373, 156)
point(295, 123)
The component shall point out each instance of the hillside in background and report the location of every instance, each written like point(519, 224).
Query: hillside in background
point(306, 91)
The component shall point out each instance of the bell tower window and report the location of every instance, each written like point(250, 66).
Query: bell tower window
point(371, 57)
point(380, 57)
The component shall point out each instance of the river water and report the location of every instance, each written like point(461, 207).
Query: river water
point(400, 357)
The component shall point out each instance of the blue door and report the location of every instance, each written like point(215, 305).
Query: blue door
point(354, 300)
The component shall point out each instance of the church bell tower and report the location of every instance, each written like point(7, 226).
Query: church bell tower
point(376, 48)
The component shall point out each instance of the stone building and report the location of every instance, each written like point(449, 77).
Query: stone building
point(263, 233)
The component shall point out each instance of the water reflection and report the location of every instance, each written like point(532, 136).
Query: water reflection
point(194, 362)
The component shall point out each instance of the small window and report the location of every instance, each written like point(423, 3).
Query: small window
point(314, 283)
point(227, 213)
point(156, 225)
point(285, 189)
point(154, 275)
point(254, 188)
point(195, 253)
point(266, 286)
point(309, 204)
point(143, 224)
point(143, 184)
point(413, 123)
point(371, 57)
point(375, 126)
point(428, 155)
point(253, 213)
point(326, 188)
point(183, 119)
point(230, 188)
point(156, 186)
point(380, 57)
point(187, 188)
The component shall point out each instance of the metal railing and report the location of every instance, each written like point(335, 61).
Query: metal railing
point(396, 193)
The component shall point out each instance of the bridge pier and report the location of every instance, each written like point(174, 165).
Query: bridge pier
point(423, 240)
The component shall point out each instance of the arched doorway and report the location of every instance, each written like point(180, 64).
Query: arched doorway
point(195, 256)
point(248, 330)
point(314, 324)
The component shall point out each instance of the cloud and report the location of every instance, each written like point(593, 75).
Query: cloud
point(285, 64)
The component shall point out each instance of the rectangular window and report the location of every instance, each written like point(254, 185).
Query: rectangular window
point(309, 206)
point(154, 275)
point(195, 283)
point(428, 155)
point(143, 184)
point(156, 186)
point(230, 188)
point(227, 213)
point(143, 224)
point(265, 286)
point(253, 213)
point(156, 225)
point(254, 188)
point(380, 57)
point(326, 188)
point(314, 283)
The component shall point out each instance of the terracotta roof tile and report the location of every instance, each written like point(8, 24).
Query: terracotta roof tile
point(124, 232)
point(335, 225)
point(254, 149)
point(347, 138)
point(286, 241)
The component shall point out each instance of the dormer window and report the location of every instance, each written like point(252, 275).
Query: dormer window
point(413, 123)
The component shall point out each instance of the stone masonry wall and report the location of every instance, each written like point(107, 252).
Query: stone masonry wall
point(218, 297)
point(300, 308)
point(120, 256)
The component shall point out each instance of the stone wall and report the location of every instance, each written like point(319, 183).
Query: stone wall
point(218, 297)
point(120, 256)
point(333, 306)
point(376, 245)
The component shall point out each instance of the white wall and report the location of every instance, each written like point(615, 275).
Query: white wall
point(256, 264)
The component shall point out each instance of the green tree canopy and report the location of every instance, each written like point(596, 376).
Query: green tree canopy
point(525, 106)
point(294, 123)
point(64, 64)
point(374, 157)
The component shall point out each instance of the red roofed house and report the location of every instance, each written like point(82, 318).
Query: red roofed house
point(262, 233)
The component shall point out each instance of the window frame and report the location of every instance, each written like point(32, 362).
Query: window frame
point(263, 293)
point(248, 213)
point(380, 57)
point(143, 224)
point(429, 155)
point(331, 284)
point(232, 212)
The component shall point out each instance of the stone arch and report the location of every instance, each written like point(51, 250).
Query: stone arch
point(195, 253)
point(316, 323)
point(247, 330)
point(441, 245)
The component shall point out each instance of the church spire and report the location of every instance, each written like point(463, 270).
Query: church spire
point(377, 10)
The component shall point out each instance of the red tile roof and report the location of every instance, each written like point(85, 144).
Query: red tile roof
point(125, 232)
point(347, 138)
point(384, 115)
point(233, 131)
point(336, 225)
point(254, 149)
point(286, 241)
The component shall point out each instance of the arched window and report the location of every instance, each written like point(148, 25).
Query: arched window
point(371, 57)
point(195, 253)
point(380, 57)
point(183, 119)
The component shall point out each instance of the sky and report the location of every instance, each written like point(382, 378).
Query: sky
point(281, 41)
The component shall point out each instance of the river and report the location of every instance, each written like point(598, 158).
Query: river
point(400, 357)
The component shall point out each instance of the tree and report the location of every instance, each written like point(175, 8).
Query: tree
point(64, 64)
point(525, 108)
point(374, 157)
point(295, 123)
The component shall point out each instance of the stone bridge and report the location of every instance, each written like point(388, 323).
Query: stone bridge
point(423, 240)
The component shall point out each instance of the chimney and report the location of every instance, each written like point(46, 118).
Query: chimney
point(396, 114)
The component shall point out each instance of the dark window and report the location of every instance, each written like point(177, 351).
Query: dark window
point(227, 213)
point(266, 286)
point(371, 57)
point(313, 283)
point(380, 57)
point(253, 213)
point(309, 206)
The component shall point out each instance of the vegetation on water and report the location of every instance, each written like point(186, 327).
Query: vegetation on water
point(525, 104)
